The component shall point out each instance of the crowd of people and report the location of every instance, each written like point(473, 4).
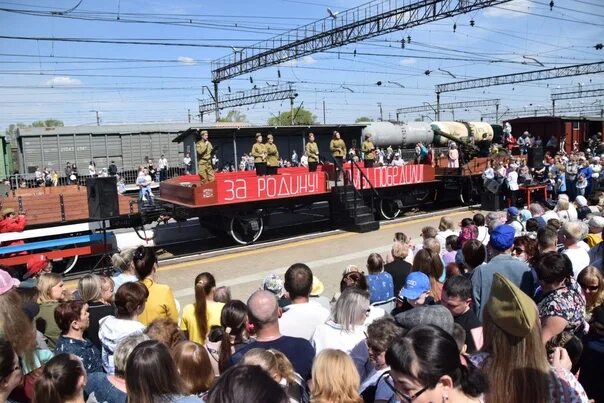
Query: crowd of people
point(507, 307)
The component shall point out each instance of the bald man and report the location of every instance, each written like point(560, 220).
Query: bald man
point(263, 322)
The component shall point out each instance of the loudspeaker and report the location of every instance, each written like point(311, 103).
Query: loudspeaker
point(491, 202)
point(102, 198)
point(535, 157)
point(492, 186)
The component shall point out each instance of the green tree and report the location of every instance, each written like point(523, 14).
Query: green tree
point(11, 131)
point(301, 117)
point(234, 116)
point(363, 119)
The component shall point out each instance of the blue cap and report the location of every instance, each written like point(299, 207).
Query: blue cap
point(416, 284)
point(502, 237)
point(513, 211)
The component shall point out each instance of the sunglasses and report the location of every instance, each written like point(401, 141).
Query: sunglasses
point(404, 397)
point(590, 287)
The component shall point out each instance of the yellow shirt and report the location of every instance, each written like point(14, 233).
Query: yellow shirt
point(312, 152)
point(368, 149)
point(593, 239)
point(204, 151)
point(189, 320)
point(259, 152)
point(160, 304)
point(338, 148)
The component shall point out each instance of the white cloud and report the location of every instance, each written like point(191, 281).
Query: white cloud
point(63, 81)
point(308, 60)
point(303, 60)
point(509, 10)
point(187, 60)
point(408, 61)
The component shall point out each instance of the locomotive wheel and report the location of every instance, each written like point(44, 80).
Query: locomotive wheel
point(245, 229)
point(469, 194)
point(389, 209)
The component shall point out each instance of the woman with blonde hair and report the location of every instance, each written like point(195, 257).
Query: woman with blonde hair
point(90, 287)
point(194, 368)
point(52, 293)
point(278, 367)
point(591, 281)
point(124, 262)
point(346, 327)
point(513, 351)
point(334, 379)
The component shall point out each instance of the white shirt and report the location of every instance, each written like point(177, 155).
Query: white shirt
point(513, 181)
point(163, 163)
point(441, 237)
point(186, 160)
point(332, 335)
point(398, 162)
point(579, 258)
point(301, 320)
point(483, 235)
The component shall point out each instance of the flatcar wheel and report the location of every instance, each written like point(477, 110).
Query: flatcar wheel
point(65, 265)
point(389, 209)
point(469, 194)
point(246, 229)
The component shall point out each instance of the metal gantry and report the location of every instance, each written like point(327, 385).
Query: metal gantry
point(451, 105)
point(583, 92)
point(536, 75)
point(254, 96)
point(356, 24)
point(595, 109)
point(545, 74)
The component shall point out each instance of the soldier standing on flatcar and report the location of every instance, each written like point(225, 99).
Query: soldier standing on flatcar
point(312, 153)
point(205, 170)
point(338, 150)
point(368, 151)
point(272, 156)
point(259, 154)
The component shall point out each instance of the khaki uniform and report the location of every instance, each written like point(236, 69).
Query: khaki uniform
point(259, 154)
point(368, 151)
point(312, 152)
point(338, 148)
point(205, 170)
point(272, 155)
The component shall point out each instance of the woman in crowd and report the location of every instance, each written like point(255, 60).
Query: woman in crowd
point(525, 249)
point(451, 246)
point(591, 281)
point(425, 366)
point(381, 285)
point(401, 237)
point(474, 254)
point(150, 376)
point(161, 302)
point(381, 334)
point(10, 371)
point(430, 264)
point(112, 388)
point(561, 305)
point(334, 379)
point(582, 207)
point(165, 331)
point(514, 351)
point(234, 335)
point(194, 368)
point(278, 367)
point(63, 379)
point(483, 231)
point(50, 286)
point(346, 327)
point(198, 318)
point(246, 383)
point(90, 287)
point(446, 227)
point(399, 267)
point(129, 303)
point(124, 262)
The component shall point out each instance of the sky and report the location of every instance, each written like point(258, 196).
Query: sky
point(49, 73)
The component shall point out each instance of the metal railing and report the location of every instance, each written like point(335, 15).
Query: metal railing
point(362, 174)
point(26, 181)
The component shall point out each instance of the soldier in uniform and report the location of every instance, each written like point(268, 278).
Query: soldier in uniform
point(312, 153)
point(272, 156)
point(259, 154)
point(205, 170)
point(338, 150)
point(368, 151)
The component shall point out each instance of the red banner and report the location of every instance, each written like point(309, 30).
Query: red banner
point(389, 176)
point(251, 188)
